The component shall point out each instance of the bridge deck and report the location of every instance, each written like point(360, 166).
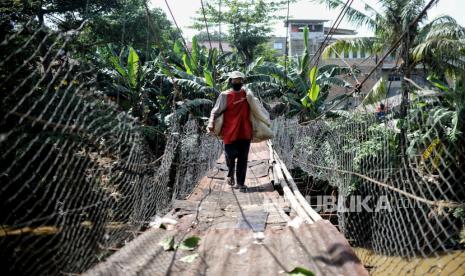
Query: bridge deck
point(241, 233)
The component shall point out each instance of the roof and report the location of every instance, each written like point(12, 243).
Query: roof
point(395, 101)
point(340, 31)
point(215, 44)
point(304, 21)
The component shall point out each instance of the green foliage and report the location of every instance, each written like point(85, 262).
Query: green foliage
point(315, 88)
point(305, 94)
point(248, 23)
point(130, 78)
point(190, 243)
point(132, 68)
point(209, 78)
point(441, 44)
point(189, 258)
point(438, 83)
point(378, 139)
point(377, 93)
point(438, 44)
point(48, 9)
point(459, 213)
point(439, 126)
point(122, 27)
point(304, 60)
point(199, 71)
point(265, 52)
point(369, 44)
point(300, 271)
point(167, 243)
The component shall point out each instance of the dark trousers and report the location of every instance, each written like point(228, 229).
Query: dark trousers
point(240, 150)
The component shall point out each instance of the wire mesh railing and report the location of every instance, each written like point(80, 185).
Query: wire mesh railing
point(81, 177)
point(78, 178)
point(402, 212)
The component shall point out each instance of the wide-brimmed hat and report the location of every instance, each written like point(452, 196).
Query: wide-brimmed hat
point(236, 75)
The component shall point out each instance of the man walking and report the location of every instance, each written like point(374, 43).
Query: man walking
point(236, 130)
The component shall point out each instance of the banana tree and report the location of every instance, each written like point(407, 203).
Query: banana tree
point(304, 90)
point(437, 130)
point(193, 80)
point(129, 79)
point(437, 44)
point(200, 65)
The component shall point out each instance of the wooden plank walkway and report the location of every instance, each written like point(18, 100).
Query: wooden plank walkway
point(257, 232)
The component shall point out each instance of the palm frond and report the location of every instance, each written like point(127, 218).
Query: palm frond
point(440, 48)
point(334, 81)
point(377, 93)
point(373, 13)
point(411, 9)
point(358, 18)
point(339, 46)
point(447, 30)
point(438, 21)
point(332, 70)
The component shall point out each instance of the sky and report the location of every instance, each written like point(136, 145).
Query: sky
point(185, 10)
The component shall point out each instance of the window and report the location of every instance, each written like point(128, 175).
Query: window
point(392, 56)
point(315, 28)
point(394, 77)
point(278, 46)
point(362, 53)
point(346, 53)
point(355, 53)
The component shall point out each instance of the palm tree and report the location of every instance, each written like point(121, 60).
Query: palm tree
point(389, 23)
point(394, 18)
point(441, 44)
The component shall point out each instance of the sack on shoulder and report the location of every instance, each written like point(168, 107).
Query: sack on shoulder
point(260, 119)
point(218, 125)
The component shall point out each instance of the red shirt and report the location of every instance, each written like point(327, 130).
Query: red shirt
point(236, 118)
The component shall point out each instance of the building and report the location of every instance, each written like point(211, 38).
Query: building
point(361, 60)
point(295, 28)
point(214, 44)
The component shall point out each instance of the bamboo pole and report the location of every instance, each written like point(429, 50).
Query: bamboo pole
point(303, 202)
point(290, 195)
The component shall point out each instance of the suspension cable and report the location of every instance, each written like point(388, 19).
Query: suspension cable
point(219, 26)
point(206, 24)
point(179, 29)
point(330, 33)
point(286, 50)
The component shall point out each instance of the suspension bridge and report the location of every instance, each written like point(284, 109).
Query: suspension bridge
point(257, 232)
point(106, 169)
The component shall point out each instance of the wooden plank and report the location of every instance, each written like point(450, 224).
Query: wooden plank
point(290, 196)
point(223, 247)
point(303, 202)
point(254, 220)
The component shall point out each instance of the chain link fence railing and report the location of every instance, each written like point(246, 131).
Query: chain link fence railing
point(78, 176)
point(402, 211)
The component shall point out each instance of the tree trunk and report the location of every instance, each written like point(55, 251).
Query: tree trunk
point(406, 70)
